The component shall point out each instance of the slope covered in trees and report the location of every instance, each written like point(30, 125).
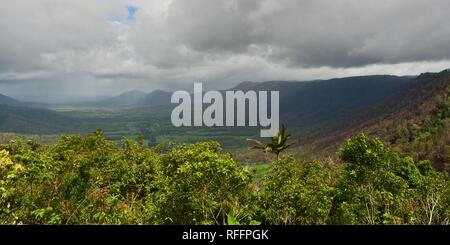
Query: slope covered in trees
point(34, 121)
point(90, 180)
point(314, 106)
point(413, 121)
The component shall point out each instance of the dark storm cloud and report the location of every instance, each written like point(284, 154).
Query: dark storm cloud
point(118, 75)
point(93, 47)
point(343, 33)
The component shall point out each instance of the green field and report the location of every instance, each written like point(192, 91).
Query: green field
point(154, 124)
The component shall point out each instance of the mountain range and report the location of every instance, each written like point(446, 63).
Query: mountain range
point(321, 113)
point(303, 105)
point(414, 120)
point(133, 98)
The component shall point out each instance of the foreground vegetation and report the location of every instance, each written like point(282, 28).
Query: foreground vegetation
point(90, 180)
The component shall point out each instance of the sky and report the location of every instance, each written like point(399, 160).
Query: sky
point(56, 51)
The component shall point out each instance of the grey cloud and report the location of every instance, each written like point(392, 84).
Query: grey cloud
point(343, 33)
point(118, 75)
point(22, 76)
point(73, 47)
point(31, 29)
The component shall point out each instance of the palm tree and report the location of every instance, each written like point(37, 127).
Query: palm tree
point(277, 145)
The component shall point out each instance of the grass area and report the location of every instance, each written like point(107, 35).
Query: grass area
point(43, 139)
point(258, 170)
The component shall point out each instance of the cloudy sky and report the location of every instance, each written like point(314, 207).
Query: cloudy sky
point(53, 50)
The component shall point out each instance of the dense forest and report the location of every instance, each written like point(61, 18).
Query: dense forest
point(91, 180)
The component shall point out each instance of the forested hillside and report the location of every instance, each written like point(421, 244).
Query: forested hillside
point(413, 121)
point(90, 180)
point(34, 121)
point(315, 106)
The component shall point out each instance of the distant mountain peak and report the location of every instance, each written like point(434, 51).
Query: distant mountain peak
point(129, 98)
point(6, 100)
point(244, 85)
point(134, 92)
point(158, 91)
